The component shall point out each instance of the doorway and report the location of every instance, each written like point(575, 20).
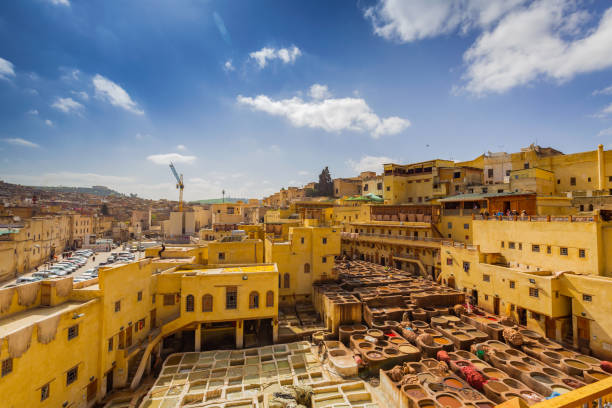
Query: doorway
point(584, 331)
point(128, 337)
point(109, 381)
point(496, 305)
point(522, 315)
point(258, 332)
point(551, 328)
point(451, 282)
point(153, 318)
point(474, 297)
point(188, 337)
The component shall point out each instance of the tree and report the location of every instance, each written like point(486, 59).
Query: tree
point(104, 209)
point(325, 187)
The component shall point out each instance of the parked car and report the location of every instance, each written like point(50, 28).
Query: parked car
point(28, 279)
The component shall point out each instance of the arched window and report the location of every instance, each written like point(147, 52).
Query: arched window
point(254, 300)
point(189, 301)
point(207, 303)
point(270, 299)
point(287, 281)
point(306, 268)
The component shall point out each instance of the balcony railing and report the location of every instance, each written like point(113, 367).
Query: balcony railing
point(356, 235)
point(537, 218)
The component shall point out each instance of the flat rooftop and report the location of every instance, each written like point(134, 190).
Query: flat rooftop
point(20, 320)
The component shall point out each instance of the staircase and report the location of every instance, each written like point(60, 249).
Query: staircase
point(133, 365)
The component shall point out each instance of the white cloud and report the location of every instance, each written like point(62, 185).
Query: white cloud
point(331, 115)
point(369, 163)
point(318, 91)
point(521, 41)
point(17, 141)
point(407, 21)
point(286, 55)
point(48, 122)
point(605, 132)
point(228, 66)
point(33, 112)
point(181, 147)
point(81, 94)
point(604, 91)
point(31, 91)
point(170, 157)
point(60, 2)
point(6, 69)
point(67, 105)
point(114, 94)
point(303, 173)
point(71, 74)
point(508, 56)
point(604, 112)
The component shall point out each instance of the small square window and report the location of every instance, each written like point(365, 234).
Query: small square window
point(502, 244)
point(324, 259)
point(110, 344)
point(486, 297)
point(388, 188)
point(512, 284)
point(450, 225)
point(324, 241)
point(587, 298)
point(449, 261)
point(589, 179)
point(581, 253)
point(486, 278)
point(511, 245)
point(572, 181)
point(535, 316)
point(534, 292)
point(118, 306)
point(7, 366)
point(44, 392)
point(73, 331)
point(563, 251)
point(466, 226)
point(535, 248)
point(548, 249)
point(140, 295)
point(520, 246)
point(168, 300)
point(302, 240)
point(221, 256)
point(466, 266)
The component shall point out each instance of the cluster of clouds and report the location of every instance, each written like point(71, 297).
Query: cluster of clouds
point(369, 163)
point(519, 41)
point(263, 57)
point(323, 111)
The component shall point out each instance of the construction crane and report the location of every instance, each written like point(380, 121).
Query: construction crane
point(179, 185)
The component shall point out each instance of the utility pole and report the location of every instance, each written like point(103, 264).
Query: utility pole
point(223, 193)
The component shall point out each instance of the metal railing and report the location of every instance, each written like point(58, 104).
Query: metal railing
point(356, 235)
point(537, 218)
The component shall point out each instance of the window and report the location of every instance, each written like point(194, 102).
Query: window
point(466, 226)
point(110, 344)
point(168, 300)
point(581, 253)
point(189, 303)
point(548, 249)
point(388, 188)
point(535, 316)
point(324, 241)
point(270, 299)
point(306, 268)
point(502, 244)
point(563, 251)
point(231, 297)
point(535, 248)
point(153, 298)
point(72, 375)
point(207, 303)
point(73, 331)
point(589, 179)
point(7, 366)
point(587, 298)
point(526, 165)
point(558, 181)
point(466, 266)
point(486, 278)
point(520, 246)
point(449, 261)
point(457, 174)
point(118, 306)
point(512, 284)
point(254, 300)
point(287, 279)
point(140, 295)
point(511, 245)
point(450, 225)
point(44, 392)
point(379, 186)
point(486, 297)
point(534, 292)
point(221, 256)
point(302, 240)
point(572, 181)
point(490, 172)
point(365, 187)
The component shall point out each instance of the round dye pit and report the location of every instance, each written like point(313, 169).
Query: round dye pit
point(447, 400)
point(408, 349)
point(511, 383)
point(588, 359)
point(414, 392)
point(559, 389)
point(441, 340)
point(374, 355)
point(598, 375)
point(576, 364)
point(453, 382)
point(519, 365)
point(541, 378)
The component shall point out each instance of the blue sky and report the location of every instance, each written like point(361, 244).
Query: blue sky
point(253, 96)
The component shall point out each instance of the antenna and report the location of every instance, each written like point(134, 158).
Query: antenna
point(223, 193)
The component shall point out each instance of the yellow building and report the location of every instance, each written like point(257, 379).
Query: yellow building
point(553, 274)
point(305, 257)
